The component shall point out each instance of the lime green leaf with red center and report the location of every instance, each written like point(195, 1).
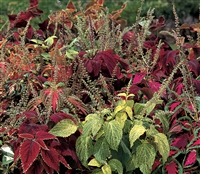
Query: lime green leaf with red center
point(29, 150)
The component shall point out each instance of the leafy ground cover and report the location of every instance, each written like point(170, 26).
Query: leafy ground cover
point(84, 93)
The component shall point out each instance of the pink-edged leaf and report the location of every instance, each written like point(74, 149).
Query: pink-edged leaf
point(29, 150)
point(195, 143)
point(26, 135)
point(176, 129)
point(172, 152)
point(171, 168)
point(64, 162)
point(154, 85)
point(138, 78)
point(50, 157)
point(174, 105)
point(44, 135)
point(190, 159)
point(36, 168)
point(179, 88)
point(181, 141)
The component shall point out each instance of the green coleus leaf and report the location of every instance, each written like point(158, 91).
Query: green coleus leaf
point(119, 108)
point(92, 125)
point(94, 163)
point(64, 128)
point(49, 41)
point(162, 145)
point(121, 117)
point(135, 133)
point(162, 116)
point(145, 156)
point(131, 165)
point(150, 108)
point(116, 165)
point(113, 133)
point(138, 107)
point(106, 169)
point(101, 150)
point(129, 112)
point(84, 149)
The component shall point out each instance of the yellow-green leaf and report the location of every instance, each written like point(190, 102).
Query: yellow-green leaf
point(162, 145)
point(121, 117)
point(129, 112)
point(145, 157)
point(150, 108)
point(64, 128)
point(122, 95)
point(84, 149)
point(113, 133)
point(94, 163)
point(135, 133)
point(118, 108)
point(106, 169)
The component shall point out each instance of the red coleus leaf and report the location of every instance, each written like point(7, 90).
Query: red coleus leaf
point(156, 164)
point(26, 136)
point(171, 168)
point(34, 3)
point(57, 117)
point(195, 143)
point(174, 105)
point(44, 135)
point(190, 159)
point(154, 85)
point(48, 169)
point(138, 78)
point(36, 168)
point(194, 67)
point(181, 141)
point(29, 150)
point(63, 161)
point(32, 128)
point(50, 157)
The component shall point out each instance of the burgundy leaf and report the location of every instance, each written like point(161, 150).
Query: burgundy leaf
point(171, 168)
point(179, 88)
point(190, 159)
point(42, 144)
point(34, 3)
point(154, 85)
point(30, 32)
point(48, 169)
point(148, 92)
point(194, 67)
point(50, 157)
point(63, 161)
point(57, 117)
point(26, 135)
point(156, 164)
point(138, 78)
point(32, 128)
point(181, 141)
point(29, 151)
point(44, 135)
point(36, 168)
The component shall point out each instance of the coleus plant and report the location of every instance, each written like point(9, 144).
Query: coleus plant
point(65, 116)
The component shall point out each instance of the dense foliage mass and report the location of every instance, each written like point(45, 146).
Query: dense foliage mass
point(84, 93)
